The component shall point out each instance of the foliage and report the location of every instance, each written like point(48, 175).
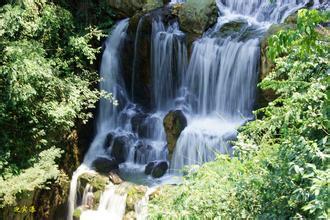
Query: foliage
point(44, 170)
point(281, 164)
point(47, 83)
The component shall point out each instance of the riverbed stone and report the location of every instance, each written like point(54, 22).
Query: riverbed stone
point(174, 123)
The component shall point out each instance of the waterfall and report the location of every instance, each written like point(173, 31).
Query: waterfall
point(112, 206)
point(261, 10)
point(220, 81)
point(168, 62)
point(215, 90)
point(111, 78)
point(177, 1)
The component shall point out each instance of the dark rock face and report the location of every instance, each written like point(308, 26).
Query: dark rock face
point(174, 123)
point(119, 149)
point(137, 55)
point(157, 169)
point(105, 165)
point(142, 152)
point(149, 167)
point(137, 123)
point(108, 140)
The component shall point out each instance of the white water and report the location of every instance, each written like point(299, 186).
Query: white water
point(261, 10)
point(141, 207)
point(112, 205)
point(168, 63)
point(220, 84)
point(216, 91)
point(177, 1)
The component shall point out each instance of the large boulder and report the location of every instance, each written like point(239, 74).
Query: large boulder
point(134, 194)
point(97, 183)
point(119, 150)
point(105, 165)
point(137, 123)
point(127, 8)
point(174, 123)
point(156, 169)
point(196, 16)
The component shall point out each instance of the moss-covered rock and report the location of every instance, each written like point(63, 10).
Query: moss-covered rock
point(77, 213)
point(196, 16)
point(127, 8)
point(97, 181)
point(174, 123)
point(130, 216)
point(134, 194)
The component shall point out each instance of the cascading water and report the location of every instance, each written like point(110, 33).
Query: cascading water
point(215, 91)
point(221, 78)
point(145, 140)
point(168, 63)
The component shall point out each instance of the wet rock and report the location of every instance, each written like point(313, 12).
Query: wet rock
point(142, 152)
point(115, 178)
point(149, 167)
point(105, 165)
point(108, 140)
point(137, 55)
point(157, 169)
point(174, 123)
point(119, 149)
point(196, 16)
point(137, 123)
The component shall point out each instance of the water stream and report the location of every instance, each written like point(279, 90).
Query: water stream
point(215, 90)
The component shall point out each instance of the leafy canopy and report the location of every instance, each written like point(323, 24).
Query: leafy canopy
point(47, 82)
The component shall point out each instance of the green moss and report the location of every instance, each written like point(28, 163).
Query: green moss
point(97, 181)
point(152, 4)
point(134, 194)
point(77, 213)
point(196, 16)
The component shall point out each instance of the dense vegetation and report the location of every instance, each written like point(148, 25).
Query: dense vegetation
point(47, 83)
point(281, 165)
